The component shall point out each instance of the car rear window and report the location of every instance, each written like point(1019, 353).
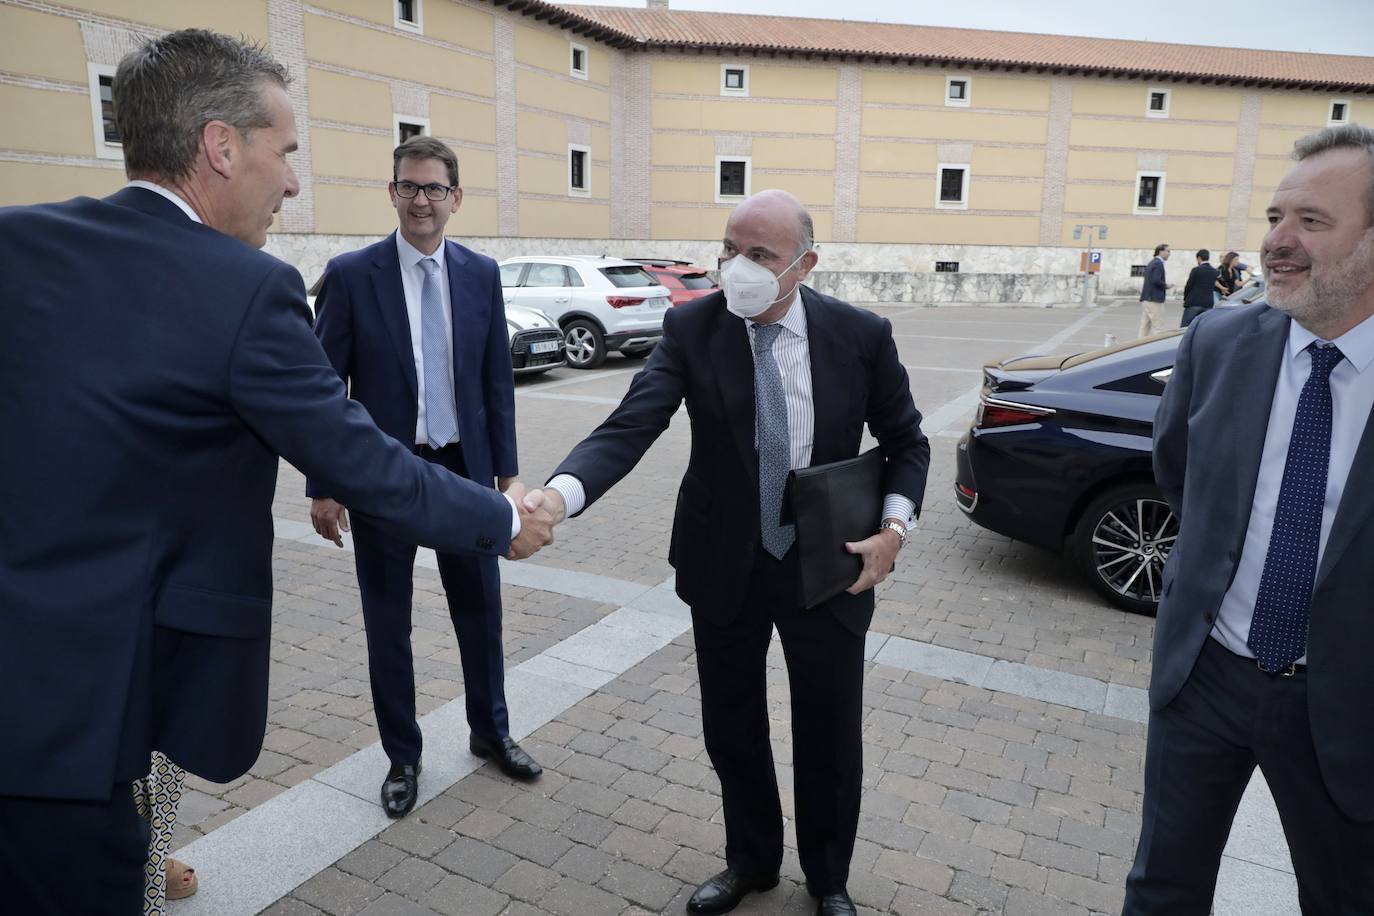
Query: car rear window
point(697, 281)
point(627, 276)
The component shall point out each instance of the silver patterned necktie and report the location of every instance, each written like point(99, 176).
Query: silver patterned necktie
point(772, 441)
point(441, 415)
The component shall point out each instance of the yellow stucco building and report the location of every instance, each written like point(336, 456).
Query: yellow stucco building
point(634, 131)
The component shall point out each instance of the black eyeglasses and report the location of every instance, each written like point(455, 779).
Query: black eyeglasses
point(409, 189)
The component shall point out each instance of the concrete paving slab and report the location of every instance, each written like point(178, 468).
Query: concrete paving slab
point(936, 661)
point(1072, 690)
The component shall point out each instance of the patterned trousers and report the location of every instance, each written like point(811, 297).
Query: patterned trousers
point(157, 797)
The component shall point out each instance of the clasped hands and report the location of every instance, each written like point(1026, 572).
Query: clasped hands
point(539, 511)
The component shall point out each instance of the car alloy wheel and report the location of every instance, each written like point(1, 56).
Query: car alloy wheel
point(586, 348)
point(1123, 540)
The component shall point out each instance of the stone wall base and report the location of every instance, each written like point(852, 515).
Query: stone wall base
point(856, 272)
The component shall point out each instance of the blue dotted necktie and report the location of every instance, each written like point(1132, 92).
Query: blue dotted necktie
point(441, 416)
point(772, 441)
point(1278, 631)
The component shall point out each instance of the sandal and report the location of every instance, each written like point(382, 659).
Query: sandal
point(178, 885)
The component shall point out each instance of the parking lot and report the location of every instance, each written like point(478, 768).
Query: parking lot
point(1004, 707)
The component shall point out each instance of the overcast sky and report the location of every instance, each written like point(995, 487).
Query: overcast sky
point(1322, 26)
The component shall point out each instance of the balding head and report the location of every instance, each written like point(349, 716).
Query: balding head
point(773, 229)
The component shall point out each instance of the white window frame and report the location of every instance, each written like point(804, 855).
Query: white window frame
point(968, 90)
point(748, 179)
point(727, 90)
point(1149, 96)
point(417, 26)
point(585, 72)
point(1331, 121)
point(1136, 209)
point(104, 149)
point(397, 119)
point(962, 203)
point(586, 170)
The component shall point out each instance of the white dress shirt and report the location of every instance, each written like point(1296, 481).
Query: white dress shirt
point(413, 281)
point(1352, 396)
point(792, 353)
point(170, 195)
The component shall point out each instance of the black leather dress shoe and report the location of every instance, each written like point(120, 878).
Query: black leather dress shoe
point(722, 893)
point(836, 905)
point(400, 789)
point(514, 762)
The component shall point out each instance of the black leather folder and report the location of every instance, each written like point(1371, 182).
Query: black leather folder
point(831, 504)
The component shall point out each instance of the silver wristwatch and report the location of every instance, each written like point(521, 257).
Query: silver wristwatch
point(897, 527)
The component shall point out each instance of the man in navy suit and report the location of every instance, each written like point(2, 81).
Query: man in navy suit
point(154, 366)
point(775, 377)
point(1263, 646)
point(1153, 290)
point(416, 326)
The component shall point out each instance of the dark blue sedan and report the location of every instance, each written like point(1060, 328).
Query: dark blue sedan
point(1059, 457)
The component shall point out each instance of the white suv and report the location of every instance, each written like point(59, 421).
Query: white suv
point(601, 304)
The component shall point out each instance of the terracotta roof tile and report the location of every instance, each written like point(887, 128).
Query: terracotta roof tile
point(725, 31)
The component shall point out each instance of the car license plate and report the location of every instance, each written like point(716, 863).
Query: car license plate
point(544, 346)
point(659, 302)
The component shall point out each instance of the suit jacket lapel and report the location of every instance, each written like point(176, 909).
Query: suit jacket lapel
point(830, 382)
point(733, 365)
point(391, 301)
point(1357, 499)
point(1255, 357)
point(466, 313)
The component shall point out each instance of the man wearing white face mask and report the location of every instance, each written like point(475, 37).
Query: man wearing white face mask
point(775, 377)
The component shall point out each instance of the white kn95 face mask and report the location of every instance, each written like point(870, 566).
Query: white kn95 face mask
point(750, 288)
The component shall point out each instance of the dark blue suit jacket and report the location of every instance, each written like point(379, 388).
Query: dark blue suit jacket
point(361, 321)
point(1154, 288)
point(1209, 435)
point(704, 358)
point(151, 371)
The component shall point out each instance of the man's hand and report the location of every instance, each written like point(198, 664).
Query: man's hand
point(550, 500)
point(536, 530)
point(503, 483)
point(879, 553)
point(329, 518)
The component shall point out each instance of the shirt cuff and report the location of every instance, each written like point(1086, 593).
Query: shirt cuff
point(514, 517)
point(895, 505)
point(574, 497)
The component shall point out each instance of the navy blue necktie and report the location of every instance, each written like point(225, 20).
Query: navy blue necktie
point(1278, 631)
point(772, 441)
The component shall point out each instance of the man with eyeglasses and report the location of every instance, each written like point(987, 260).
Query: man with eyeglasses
point(416, 326)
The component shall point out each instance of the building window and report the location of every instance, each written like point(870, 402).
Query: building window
point(577, 60)
point(100, 81)
point(579, 170)
point(1138, 270)
point(946, 267)
point(732, 178)
point(1149, 193)
point(734, 79)
point(410, 15)
point(1157, 103)
point(1340, 112)
point(407, 126)
point(951, 191)
point(958, 91)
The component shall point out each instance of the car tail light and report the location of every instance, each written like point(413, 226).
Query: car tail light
point(993, 412)
point(620, 302)
point(968, 492)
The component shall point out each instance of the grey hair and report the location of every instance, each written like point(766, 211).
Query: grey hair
point(170, 88)
point(808, 233)
point(1341, 136)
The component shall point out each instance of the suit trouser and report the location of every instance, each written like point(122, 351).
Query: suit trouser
point(60, 858)
point(1151, 318)
point(472, 585)
point(1200, 754)
point(1191, 312)
point(825, 669)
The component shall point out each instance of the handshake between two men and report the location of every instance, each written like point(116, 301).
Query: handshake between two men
point(538, 514)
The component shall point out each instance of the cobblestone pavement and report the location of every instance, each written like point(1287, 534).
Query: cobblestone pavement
point(976, 801)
